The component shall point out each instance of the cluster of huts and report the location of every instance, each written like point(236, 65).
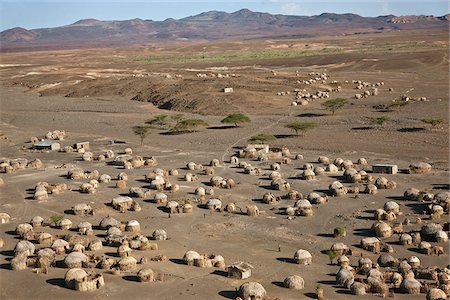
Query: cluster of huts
point(80, 247)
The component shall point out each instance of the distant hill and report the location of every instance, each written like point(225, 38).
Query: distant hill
point(212, 25)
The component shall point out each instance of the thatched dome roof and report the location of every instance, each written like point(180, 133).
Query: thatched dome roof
point(75, 258)
point(302, 254)
point(191, 255)
point(410, 286)
point(294, 282)
point(109, 222)
point(252, 290)
point(74, 274)
point(159, 234)
point(24, 247)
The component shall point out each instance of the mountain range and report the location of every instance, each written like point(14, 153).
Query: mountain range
point(211, 25)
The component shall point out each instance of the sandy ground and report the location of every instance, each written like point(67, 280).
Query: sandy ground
point(97, 115)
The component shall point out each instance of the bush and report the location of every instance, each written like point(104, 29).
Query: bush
point(262, 137)
point(236, 119)
point(332, 255)
point(339, 231)
point(55, 219)
point(379, 120)
point(433, 121)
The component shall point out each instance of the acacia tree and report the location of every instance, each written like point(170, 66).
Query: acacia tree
point(301, 126)
point(142, 132)
point(236, 119)
point(334, 104)
point(189, 125)
point(158, 121)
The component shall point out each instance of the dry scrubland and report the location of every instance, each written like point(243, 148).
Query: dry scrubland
point(88, 94)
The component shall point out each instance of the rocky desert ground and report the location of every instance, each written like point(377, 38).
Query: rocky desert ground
point(137, 212)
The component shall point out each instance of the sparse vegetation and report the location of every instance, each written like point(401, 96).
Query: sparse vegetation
point(433, 121)
point(236, 119)
point(334, 104)
point(262, 137)
point(332, 255)
point(301, 126)
point(339, 231)
point(142, 132)
point(398, 104)
point(380, 121)
point(176, 123)
point(237, 55)
point(55, 219)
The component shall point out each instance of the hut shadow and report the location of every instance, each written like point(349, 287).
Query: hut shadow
point(177, 261)
point(327, 282)
point(69, 212)
point(5, 266)
point(345, 292)
point(57, 282)
point(418, 208)
point(220, 273)
point(411, 129)
point(286, 260)
point(163, 208)
point(310, 115)
point(267, 187)
point(258, 200)
point(441, 186)
point(60, 264)
point(367, 232)
point(327, 235)
point(310, 295)
point(284, 136)
point(97, 227)
point(131, 278)
point(11, 232)
point(396, 198)
point(112, 254)
point(228, 294)
point(7, 252)
point(29, 197)
point(415, 250)
point(177, 132)
point(326, 192)
point(362, 128)
point(222, 127)
point(278, 284)
point(367, 211)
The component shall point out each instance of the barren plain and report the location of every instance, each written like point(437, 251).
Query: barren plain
point(98, 95)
